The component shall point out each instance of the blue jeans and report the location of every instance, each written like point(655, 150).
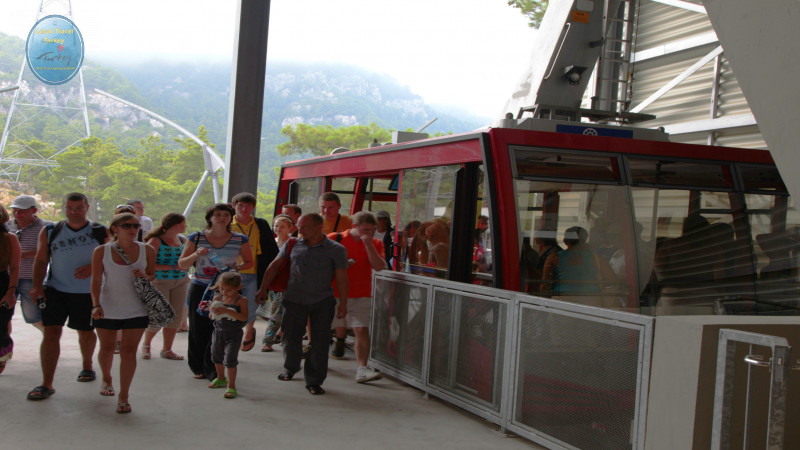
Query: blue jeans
point(249, 289)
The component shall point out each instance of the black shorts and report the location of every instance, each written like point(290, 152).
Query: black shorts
point(63, 305)
point(121, 324)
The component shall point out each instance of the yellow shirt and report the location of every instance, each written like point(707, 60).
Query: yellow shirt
point(251, 231)
point(345, 223)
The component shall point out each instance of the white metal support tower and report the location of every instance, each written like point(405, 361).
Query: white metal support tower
point(37, 106)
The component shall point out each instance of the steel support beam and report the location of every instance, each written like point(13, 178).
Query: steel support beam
point(247, 98)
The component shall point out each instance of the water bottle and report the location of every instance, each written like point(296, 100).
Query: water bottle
point(212, 255)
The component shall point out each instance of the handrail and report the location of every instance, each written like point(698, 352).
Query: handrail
point(567, 25)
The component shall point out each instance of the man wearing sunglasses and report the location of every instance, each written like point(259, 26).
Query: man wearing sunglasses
point(67, 248)
point(26, 225)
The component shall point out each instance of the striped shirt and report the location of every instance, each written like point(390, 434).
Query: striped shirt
point(28, 240)
point(228, 255)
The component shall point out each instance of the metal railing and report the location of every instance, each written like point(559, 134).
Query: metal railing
point(778, 366)
point(560, 374)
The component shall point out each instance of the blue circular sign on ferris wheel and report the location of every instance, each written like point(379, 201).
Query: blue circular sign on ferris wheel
point(54, 49)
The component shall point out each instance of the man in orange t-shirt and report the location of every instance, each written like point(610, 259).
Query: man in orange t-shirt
point(366, 254)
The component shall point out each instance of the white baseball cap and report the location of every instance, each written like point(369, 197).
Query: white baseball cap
point(24, 202)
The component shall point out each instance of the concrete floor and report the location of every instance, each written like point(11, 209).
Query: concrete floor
point(173, 410)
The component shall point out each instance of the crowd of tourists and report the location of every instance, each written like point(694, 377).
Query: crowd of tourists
point(305, 274)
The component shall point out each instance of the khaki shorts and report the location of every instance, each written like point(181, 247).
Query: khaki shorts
point(359, 313)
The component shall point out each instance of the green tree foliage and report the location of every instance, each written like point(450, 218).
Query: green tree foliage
point(163, 179)
point(320, 140)
point(533, 9)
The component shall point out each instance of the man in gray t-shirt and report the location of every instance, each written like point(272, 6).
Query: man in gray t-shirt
point(315, 261)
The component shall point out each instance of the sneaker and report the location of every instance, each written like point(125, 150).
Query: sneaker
point(338, 349)
point(365, 374)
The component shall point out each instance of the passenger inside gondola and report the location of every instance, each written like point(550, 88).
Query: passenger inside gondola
point(574, 270)
point(438, 235)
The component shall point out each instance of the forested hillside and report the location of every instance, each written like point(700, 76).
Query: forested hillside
point(147, 159)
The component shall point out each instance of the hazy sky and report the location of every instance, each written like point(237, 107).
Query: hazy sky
point(466, 53)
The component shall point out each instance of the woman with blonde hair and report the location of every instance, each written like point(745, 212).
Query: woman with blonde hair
point(9, 276)
point(116, 304)
point(170, 279)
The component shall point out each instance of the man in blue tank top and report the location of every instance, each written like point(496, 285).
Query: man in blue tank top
point(67, 247)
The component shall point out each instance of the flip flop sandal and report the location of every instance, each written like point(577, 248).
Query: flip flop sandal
point(230, 393)
point(249, 344)
point(217, 383)
point(169, 354)
point(315, 389)
point(123, 408)
point(266, 348)
point(145, 352)
point(286, 375)
point(40, 393)
point(198, 376)
point(107, 391)
point(86, 375)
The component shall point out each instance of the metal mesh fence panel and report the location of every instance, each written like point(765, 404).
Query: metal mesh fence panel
point(398, 325)
point(577, 378)
point(467, 347)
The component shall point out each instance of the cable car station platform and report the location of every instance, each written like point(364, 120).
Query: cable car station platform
point(170, 409)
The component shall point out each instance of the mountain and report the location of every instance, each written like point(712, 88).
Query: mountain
point(194, 95)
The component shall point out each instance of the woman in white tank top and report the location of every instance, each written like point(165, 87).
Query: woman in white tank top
point(116, 305)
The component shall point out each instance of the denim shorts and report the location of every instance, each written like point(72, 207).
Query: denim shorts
point(249, 289)
point(30, 310)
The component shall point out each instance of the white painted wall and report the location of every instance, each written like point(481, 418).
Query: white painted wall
point(760, 41)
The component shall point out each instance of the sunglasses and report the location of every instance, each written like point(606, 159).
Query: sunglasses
point(129, 226)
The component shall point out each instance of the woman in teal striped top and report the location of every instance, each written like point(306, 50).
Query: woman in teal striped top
point(170, 279)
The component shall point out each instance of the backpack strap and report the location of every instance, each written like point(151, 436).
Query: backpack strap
point(99, 232)
point(339, 237)
point(54, 228)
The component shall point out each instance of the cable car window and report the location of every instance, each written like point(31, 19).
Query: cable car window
point(575, 242)
point(761, 178)
point(679, 173)
point(534, 162)
point(697, 246)
point(482, 246)
point(426, 209)
point(308, 192)
point(344, 188)
point(775, 228)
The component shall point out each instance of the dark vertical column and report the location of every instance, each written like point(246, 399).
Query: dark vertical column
point(462, 232)
point(247, 97)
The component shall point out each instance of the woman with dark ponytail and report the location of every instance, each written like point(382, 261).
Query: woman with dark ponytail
point(170, 279)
